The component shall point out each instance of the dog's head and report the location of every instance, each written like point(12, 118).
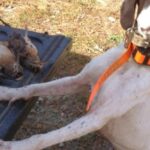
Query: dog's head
point(128, 14)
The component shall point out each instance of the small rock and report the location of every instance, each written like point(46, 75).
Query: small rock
point(102, 2)
point(97, 48)
point(111, 19)
point(40, 99)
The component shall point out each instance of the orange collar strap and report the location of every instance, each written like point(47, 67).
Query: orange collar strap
point(112, 68)
point(142, 55)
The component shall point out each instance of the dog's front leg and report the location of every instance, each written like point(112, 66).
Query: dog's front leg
point(92, 121)
point(63, 86)
point(86, 124)
point(7, 93)
point(68, 85)
point(73, 84)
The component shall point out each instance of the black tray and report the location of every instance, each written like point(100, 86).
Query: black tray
point(51, 49)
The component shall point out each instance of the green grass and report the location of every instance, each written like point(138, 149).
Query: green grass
point(117, 38)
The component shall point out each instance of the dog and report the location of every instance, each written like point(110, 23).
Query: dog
point(121, 107)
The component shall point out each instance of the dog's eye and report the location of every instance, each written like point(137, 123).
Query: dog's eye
point(24, 56)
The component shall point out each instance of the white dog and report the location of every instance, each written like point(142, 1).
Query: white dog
point(121, 107)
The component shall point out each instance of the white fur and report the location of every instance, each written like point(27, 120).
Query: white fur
point(144, 22)
point(120, 110)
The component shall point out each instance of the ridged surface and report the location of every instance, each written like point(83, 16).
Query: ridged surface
point(50, 49)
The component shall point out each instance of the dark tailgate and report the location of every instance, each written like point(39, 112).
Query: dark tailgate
point(51, 49)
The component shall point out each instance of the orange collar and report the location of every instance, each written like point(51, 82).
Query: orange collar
point(140, 55)
point(112, 68)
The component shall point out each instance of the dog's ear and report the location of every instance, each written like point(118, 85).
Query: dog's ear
point(127, 13)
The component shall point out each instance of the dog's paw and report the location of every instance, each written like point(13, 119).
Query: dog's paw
point(19, 93)
point(5, 145)
point(17, 145)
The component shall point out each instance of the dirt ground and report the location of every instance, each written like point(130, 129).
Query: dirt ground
point(94, 27)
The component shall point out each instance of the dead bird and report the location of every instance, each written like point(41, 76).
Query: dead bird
point(23, 48)
point(25, 51)
point(16, 52)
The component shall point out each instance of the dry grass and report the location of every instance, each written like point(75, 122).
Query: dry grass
point(87, 22)
point(94, 27)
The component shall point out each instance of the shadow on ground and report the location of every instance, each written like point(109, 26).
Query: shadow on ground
point(51, 113)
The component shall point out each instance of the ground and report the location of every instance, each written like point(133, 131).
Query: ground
point(94, 27)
